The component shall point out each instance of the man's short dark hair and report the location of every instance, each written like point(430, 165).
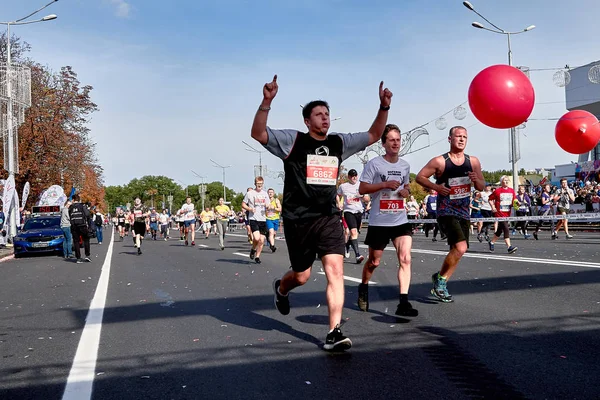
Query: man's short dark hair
point(388, 128)
point(451, 131)
point(352, 172)
point(307, 109)
point(76, 197)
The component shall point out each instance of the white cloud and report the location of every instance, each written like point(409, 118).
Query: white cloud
point(123, 8)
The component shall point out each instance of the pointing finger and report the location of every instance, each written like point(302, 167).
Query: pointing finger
point(380, 85)
point(275, 78)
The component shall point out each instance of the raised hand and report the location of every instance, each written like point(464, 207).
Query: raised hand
point(270, 89)
point(385, 95)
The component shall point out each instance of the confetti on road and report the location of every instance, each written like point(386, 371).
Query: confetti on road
point(307, 382)
point(318, 306)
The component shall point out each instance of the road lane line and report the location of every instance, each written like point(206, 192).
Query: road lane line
point(351, 279)
point(242, 254)
point(203, 245)
point(81, 377)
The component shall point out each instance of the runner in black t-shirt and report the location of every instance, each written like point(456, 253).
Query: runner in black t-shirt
point(310, 214)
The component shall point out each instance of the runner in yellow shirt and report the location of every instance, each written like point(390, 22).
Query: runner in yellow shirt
point(205, 216)
point(273, 210)
point(222, 213)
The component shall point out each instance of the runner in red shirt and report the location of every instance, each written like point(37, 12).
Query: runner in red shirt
point(501, 201)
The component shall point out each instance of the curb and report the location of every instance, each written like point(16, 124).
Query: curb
point(7, 258)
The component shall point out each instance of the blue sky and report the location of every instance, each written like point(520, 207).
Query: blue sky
point(177, 82)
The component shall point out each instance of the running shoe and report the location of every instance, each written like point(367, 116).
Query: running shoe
point(336, 341)
point(282, 303)
point(480, 238)
point(222, 248)
point(139, 251)
point(186, 242)
point(512, 249)
point(252, 254)
point(439, 290)
point(257, 260)
point(554, 236)
point(347, 253)
point(273, 249)
point(88, 259)
point(360, 259)
point(535, 236)
point(491, 246)
point(406, 310)
point(79, 261)
point(363, 297)
point(569, 236)
point(434, 240)
point(193, 243)
point(527, 236)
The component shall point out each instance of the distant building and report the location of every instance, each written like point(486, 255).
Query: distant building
point(582, 94)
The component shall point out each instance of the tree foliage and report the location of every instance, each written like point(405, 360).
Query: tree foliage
point(55, 147)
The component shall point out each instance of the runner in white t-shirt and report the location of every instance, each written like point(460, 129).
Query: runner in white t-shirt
point(256, 202)
point(352, 211)
point(188, 215)
point(386, 178)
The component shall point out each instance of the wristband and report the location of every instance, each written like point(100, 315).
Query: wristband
point(264, 108)
point(382, 108)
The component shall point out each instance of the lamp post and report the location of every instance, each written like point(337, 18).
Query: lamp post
point(252, 149)
point(9, 109)
point(514, 150)
point(202, 188)
point(223, 168)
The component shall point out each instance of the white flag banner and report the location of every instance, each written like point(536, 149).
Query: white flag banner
point(7, 196)
point(25, 195)
point(15, 209)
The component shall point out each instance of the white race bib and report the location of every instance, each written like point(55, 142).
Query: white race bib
point(391, 203)
point(321, 170)
point(460, 187)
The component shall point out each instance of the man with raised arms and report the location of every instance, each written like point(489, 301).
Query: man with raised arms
point(310, 214)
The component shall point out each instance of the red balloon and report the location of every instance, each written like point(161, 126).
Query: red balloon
point(577, 132)
point(501, 97)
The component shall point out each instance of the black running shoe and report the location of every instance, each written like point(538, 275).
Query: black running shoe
point(282, 303)
point(88, 259)
point(360, 259)
point(186, 242)
point(406, 310)
point(479, 237)
point(139, 251)
point(363, 297)
point(257, 260)
point(535, 236)
point(273, 249)
point(336, 341)
point(252, 254)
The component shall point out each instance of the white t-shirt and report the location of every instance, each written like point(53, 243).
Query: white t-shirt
point(187, 211)
point(352, 200)
point(387, 206)
point(258, 201)
point(163, 218)
point(412, 207)
point(485, 201)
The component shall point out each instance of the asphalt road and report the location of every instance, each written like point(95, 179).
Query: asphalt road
point(198, 323)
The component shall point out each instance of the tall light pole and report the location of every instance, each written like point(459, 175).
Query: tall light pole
point(252, 149)
point(514, 150)
point(223, 168)
point(202, 188)
point(9, 109)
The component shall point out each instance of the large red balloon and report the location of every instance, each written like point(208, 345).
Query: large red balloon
point(501, 97)
point(577, 132)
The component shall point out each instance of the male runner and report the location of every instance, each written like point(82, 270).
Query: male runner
point(311, 217)
point(454, 172)
point(121, 223)
point(205, 217)
point(139, 212)
point(386, 179)
point(353, 211)
point(153, 217)
point(501, 201)
point(273, 215)
point(563, 196)
point(163, 219)
point(430, 204)
point(188, 212)
point(255, 202)
point(222, 214)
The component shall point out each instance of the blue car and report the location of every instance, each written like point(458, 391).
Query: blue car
point(40, 234)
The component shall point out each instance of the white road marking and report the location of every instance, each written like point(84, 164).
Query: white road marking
point(242, 254)
point(492, 256)
point(351, 279)
point(81, 377)
point(203, 245)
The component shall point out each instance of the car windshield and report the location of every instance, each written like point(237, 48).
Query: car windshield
point(41, 223)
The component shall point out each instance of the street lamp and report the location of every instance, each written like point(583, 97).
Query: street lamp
point(9, 110)
point(514, 150)
point(252, 149)
point(223, 168)
point(202, 188)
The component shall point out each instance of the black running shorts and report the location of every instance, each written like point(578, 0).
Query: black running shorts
point(139, 228)
point(378, 237)
point(312, 237)
point(353, 220)
point(456, 229)
point(259, 226)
